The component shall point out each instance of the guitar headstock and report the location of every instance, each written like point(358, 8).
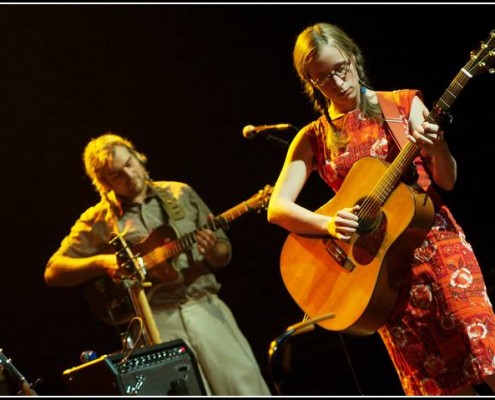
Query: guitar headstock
point(131, 265)
point(482, 59)
point(261, 199)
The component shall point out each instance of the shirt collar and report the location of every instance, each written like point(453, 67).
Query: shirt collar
point(120, 204)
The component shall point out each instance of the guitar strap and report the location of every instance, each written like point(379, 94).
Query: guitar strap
point(399, 127)
point(395, 120)
point(170, 204)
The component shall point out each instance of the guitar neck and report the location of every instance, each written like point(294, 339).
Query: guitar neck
point(409, 152)
point(185, 242)
point(171, 248)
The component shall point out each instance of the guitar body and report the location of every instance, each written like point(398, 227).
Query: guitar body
point(159, 245)
point(358, 280)
point(110, 302)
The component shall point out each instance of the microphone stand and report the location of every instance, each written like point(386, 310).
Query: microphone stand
point(279, 141)
point(293, 330)
point(276, 140)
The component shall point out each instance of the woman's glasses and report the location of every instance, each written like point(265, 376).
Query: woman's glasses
point(325, 79)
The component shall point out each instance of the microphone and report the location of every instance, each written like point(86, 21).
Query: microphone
point(251, 131)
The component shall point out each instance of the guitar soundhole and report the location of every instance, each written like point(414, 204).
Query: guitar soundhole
point(372, 229)
point(366, 247)
point(370, 215)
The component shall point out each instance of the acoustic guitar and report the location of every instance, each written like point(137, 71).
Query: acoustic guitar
point(110, 301)
point(359, 280)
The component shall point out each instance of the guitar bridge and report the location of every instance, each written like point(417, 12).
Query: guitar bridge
point(338, 254)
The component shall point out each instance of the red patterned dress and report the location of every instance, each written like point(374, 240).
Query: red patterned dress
point(440, 334)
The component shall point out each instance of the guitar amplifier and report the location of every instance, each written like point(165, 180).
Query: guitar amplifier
point(165, 369)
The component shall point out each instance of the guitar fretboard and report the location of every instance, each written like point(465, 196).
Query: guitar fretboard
point(185, 242)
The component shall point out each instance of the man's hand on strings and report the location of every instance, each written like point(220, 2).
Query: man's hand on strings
point(206, 240)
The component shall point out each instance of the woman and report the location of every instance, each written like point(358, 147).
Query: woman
point(432, 333)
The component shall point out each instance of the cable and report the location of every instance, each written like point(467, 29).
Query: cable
point(131, 350)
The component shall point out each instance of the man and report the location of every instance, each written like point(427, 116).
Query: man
point(183, 297)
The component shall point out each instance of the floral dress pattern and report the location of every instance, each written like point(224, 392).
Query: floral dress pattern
point(440, 334)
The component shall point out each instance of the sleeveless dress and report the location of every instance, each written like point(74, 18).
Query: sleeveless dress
point(440, 333)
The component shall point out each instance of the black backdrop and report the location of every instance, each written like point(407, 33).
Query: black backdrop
point(182, 81)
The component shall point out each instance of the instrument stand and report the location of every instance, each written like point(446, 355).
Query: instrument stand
point(136, 283)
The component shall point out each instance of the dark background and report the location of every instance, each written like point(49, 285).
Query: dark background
point(181, 81)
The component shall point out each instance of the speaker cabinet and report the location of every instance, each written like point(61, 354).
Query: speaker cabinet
point(165, 369)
